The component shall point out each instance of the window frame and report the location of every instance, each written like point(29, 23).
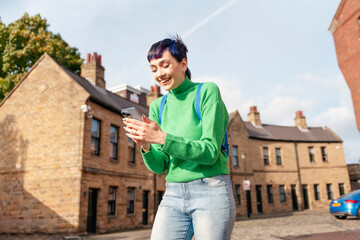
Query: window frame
point(238, 194)
point(112, 200)
point(278, 157)
point(317, 192)
point(114, 145)
point(96, 139)
point(266, 156)
point(341, 189)
point(311, 154)
point(330, 191)
point(235, 157)
point(324, 155)
point(130, 203)
point(282, 193)
point(132, 151)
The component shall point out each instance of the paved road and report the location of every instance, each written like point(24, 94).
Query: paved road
point(307, 225)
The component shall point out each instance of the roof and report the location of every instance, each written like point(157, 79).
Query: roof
point(105, 97)
point(99, 95)
point(286, 133)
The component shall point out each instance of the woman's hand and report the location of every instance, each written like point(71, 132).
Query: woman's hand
point(144, 132)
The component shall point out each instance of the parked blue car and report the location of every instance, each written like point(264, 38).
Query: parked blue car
point(347, 205)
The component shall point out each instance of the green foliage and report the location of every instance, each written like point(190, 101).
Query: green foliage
point(23, 42)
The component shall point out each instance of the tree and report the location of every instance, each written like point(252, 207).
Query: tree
point(23, 42)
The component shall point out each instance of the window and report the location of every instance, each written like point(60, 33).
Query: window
point(278, 156)
point(266, 155)
point(235, 156)
point(317, 191)
point(270, 193)
point(324, 154)
point(131, 147)
point(130, 199)
point(329, 191)
point(341, 189)
point(95, 136)
point(237, 194)
point(114, 141)
point(311, 154)
point(282, 193)
point(112, 201)
point(159, 196)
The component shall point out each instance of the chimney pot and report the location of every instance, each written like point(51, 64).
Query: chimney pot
point(300, 120)
point(157, 88)
point(93, 72)
point(151, 89)
point(254, 116)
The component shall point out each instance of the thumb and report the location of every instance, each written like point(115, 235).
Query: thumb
point(146, 119)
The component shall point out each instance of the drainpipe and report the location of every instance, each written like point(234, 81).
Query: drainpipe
point(299, 175)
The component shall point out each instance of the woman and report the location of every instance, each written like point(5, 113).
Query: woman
point(198, 199)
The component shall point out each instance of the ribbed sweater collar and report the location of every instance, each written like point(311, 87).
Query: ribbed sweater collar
point(186, 85)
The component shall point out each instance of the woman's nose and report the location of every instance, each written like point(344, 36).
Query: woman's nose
point(160, 72)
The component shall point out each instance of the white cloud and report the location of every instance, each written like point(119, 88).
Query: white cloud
point(230, 90)
point(281, 110)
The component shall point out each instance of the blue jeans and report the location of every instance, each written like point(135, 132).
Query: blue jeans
point(204, 208)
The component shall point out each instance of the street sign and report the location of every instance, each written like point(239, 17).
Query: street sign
point(246, 185)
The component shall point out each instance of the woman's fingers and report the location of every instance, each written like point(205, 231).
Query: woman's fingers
point(146, 119)
point(133, 121)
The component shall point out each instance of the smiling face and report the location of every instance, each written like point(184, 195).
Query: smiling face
point(168, 72)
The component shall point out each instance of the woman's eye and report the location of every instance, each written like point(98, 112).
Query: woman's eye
point(166, 65)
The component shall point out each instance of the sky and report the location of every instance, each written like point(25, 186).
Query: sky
point(277, 55)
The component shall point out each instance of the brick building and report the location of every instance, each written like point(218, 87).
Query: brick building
point(66, 165)
point(289, 168)
point(345, 28)
point(354, 174)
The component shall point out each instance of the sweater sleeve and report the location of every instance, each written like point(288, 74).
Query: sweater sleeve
point(214, 121)
point(155, 160)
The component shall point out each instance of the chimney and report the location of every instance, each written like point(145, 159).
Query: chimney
point(254, 116)
point(93, 71)
point(300, 120)
point(154, 94)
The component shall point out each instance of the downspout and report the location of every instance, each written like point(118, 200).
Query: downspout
point(299, 175)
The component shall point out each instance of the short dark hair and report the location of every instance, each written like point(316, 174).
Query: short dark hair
point(174, 45)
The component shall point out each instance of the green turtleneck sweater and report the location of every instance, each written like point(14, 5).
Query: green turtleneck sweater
point(192, 148)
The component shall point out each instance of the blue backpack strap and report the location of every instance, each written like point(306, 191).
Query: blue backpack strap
point(198, 100)
point(162, 106)
point(225, 144)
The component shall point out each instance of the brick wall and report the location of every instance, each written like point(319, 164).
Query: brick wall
point(40, 152)
point(296, 169)
point(346, 32)
point(121, 173)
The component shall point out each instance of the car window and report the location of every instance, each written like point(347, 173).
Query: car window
point(352, 194)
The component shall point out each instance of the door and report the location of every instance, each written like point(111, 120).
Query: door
point(294, 197)
point(248, 202)
point(306, 197)
point(258, 198)
point(92, 210)
point(145, 209)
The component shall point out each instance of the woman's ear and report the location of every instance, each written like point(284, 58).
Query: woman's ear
point(184, 64)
